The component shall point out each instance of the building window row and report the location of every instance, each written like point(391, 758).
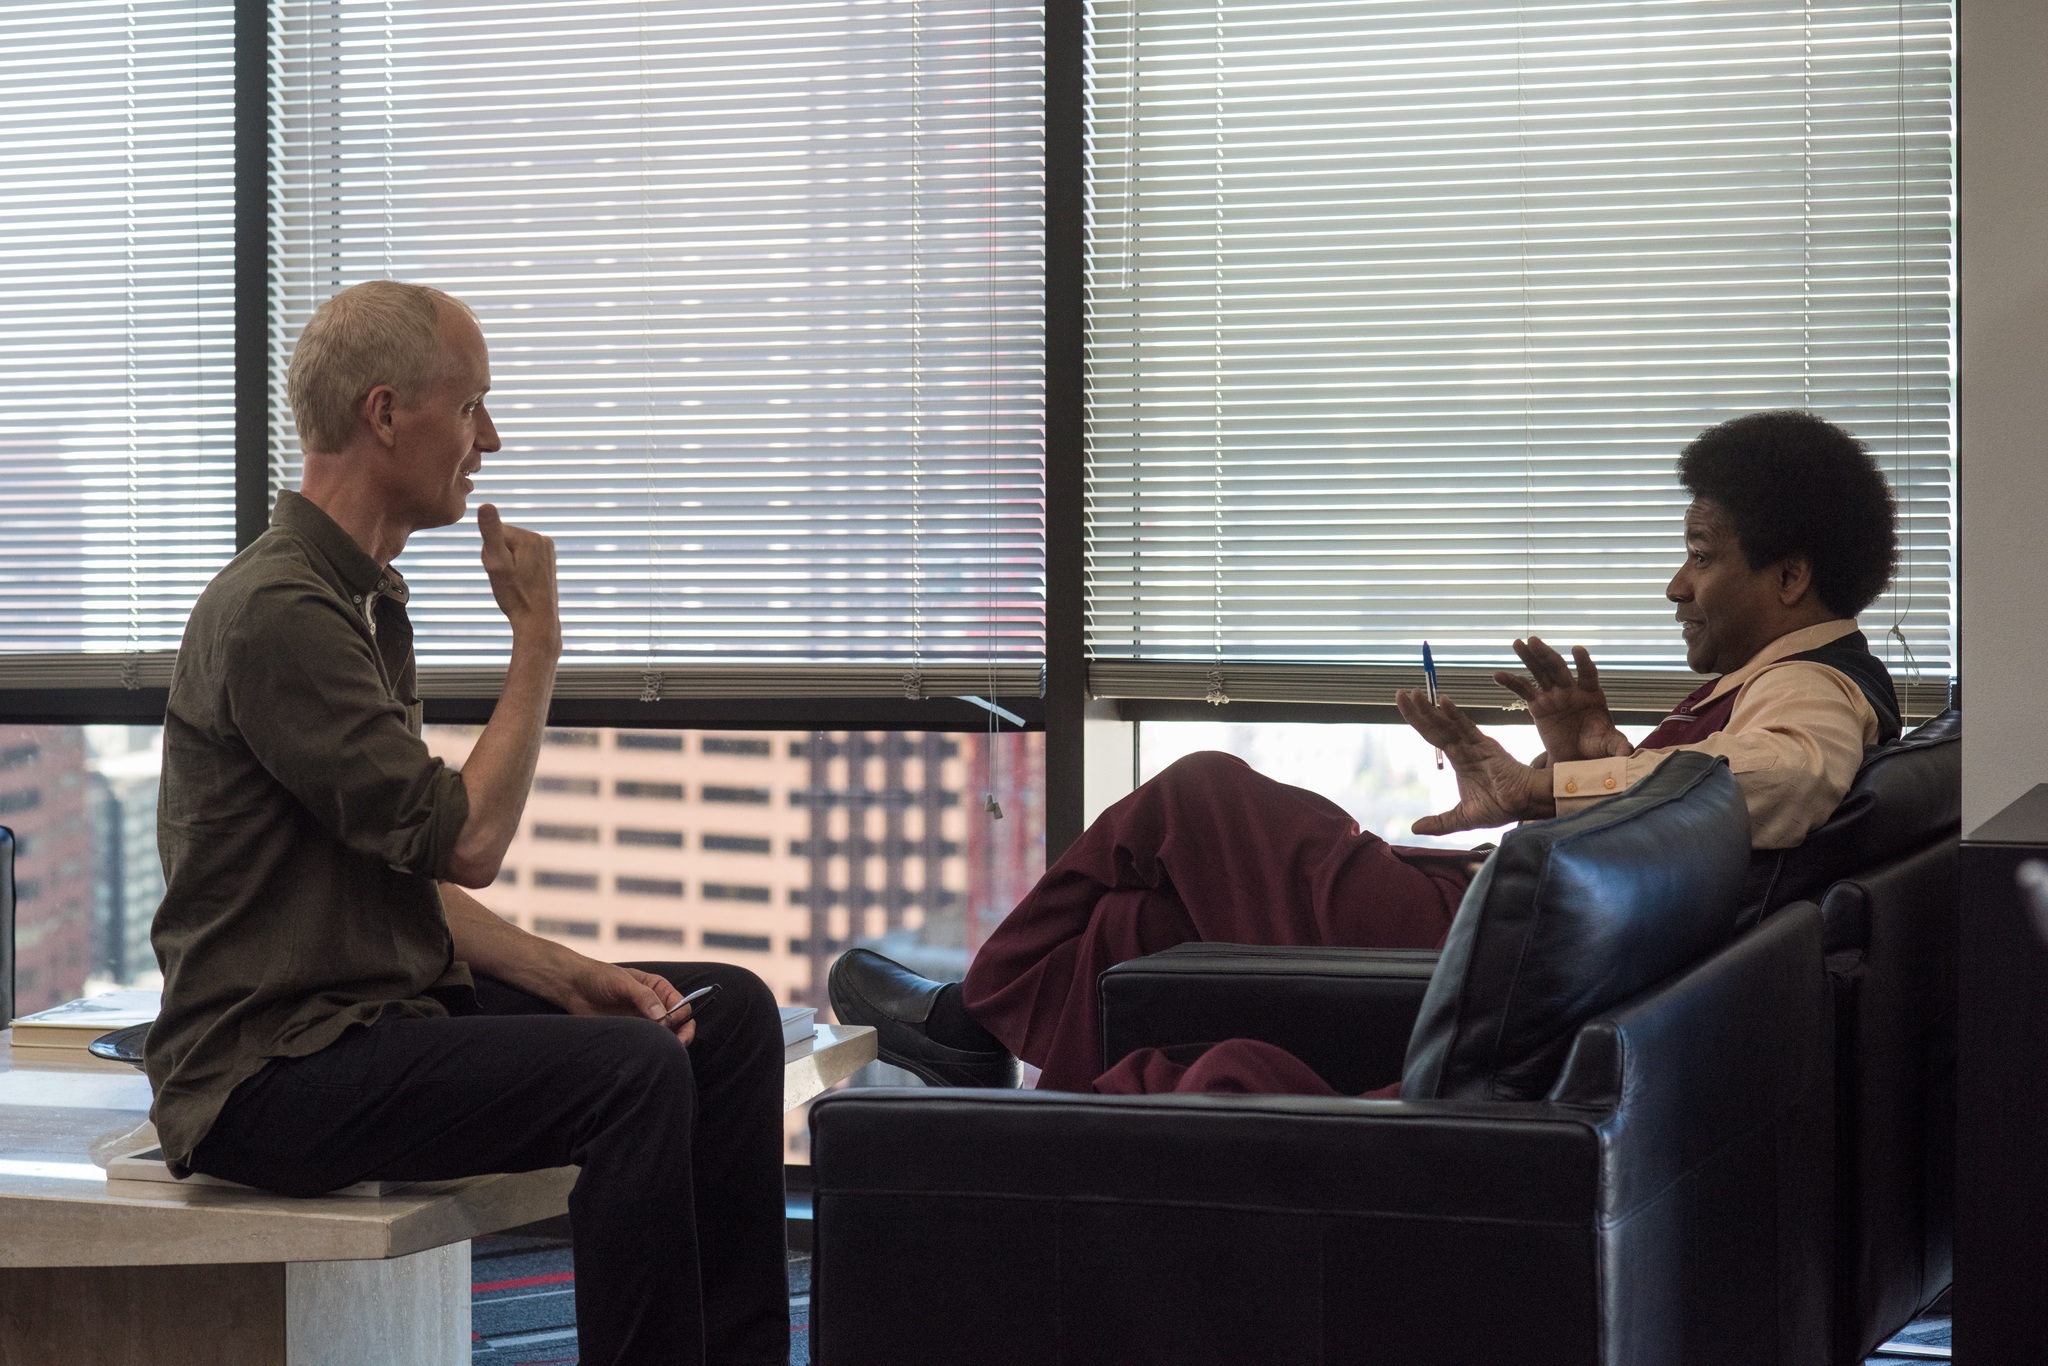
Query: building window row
point(663, 741)
point(562, 928)
point(885, 746)
point(644, 886)
point(668, 839)
point(746, 943)
point(657, 791)
point(737, 844)
point(650, 839)
point(870, 796)
point(930, 898)
point(868, 848)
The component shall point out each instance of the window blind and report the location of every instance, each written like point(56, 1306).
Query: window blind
point(116, 271)
point(1399, 312)
point(763, 287)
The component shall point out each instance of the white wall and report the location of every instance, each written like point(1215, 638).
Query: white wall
point(2004, 436)
point(1109, 760)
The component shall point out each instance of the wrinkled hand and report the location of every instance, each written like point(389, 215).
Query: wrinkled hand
point(607, 989)
point(1570, 712)
point(521, 565)
point(1494, 787)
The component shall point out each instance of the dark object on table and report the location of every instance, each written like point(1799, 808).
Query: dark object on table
point(123, 1045)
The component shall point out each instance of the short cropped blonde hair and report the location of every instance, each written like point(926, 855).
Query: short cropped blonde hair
point(377, 332)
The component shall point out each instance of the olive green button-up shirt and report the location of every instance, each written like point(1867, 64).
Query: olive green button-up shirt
point(301, 821)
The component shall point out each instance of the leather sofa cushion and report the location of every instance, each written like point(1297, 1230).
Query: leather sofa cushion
point(1907, 794)
point(1571, 917)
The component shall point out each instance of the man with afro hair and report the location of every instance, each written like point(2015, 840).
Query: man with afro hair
point(1789, 535)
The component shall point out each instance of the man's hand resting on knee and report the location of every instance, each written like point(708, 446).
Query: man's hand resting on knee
point(579, 985)
point(1494, 788)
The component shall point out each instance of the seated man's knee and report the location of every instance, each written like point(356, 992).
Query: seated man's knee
point(1201, 770)
point(750, 998)
point(646, 1050)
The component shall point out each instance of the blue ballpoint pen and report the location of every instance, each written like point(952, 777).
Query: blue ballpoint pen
point(1429, 686)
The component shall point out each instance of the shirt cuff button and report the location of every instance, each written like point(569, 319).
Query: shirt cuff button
point(1609, 783)
point(1571, 788)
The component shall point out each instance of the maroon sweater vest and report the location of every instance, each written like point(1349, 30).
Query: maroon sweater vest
point(1691, 722)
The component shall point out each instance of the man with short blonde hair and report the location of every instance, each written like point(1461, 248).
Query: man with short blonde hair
point(378, 332)
point(336, 1007)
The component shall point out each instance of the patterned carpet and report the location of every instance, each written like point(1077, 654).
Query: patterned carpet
point(523, 1303)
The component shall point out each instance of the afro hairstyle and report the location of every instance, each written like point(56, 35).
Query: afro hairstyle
point(1796, 484)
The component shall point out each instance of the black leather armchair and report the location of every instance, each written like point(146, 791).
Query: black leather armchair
point(1614, 1146)
point(1885, 871)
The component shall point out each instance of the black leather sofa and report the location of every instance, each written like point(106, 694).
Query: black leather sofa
point(1885, 871)
point(1615, 1143)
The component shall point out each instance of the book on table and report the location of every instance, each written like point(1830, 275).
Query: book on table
point(61, 1033)
point(796, 1024)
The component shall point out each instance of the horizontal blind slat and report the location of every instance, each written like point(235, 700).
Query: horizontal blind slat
point(1399, 312)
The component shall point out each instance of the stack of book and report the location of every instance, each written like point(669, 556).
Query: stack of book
point(60, 1034)
point(796, 1025)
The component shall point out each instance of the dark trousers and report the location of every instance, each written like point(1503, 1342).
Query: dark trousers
point(678, 1216)
point(1210, 851)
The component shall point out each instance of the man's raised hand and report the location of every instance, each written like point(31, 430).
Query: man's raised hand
point(521, 566)
point(1570, 711)
point(1494, 787)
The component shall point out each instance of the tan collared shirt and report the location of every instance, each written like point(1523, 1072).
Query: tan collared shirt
point(1794, 742)
point(301, 820)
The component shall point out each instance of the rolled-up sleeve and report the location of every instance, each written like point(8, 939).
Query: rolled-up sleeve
point(1794, 742)
point(305, 694)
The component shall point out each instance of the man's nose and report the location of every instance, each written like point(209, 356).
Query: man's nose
point(486, 431)
point(1680, 587)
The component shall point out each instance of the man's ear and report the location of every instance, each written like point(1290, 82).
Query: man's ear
point(379, 412)
point(1795, 580)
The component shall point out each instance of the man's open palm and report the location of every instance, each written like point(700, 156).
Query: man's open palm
point(1570, 710)
point(1493, 786)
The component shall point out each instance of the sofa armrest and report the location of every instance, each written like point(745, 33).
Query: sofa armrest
point(1347, 1013)
point(956, 1226)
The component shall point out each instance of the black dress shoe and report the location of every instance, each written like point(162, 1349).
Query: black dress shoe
point(868, 989)
point(123, 1045)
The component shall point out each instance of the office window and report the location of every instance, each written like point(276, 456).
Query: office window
point(650, 739)
point(745, 943)
point(667, 792)
point(657, 839)
point(737, 844)
point(648, 886)
point(1399, 313)
point(565, 929)
point(568, 787)
point(117, 264)
point(647, 934)
point(572, 834)
point(731, 744)
point(764, 289)
point(567, 882)
point(735, 796)
point(81, 801)
point(586, 739)
point(726, 891)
